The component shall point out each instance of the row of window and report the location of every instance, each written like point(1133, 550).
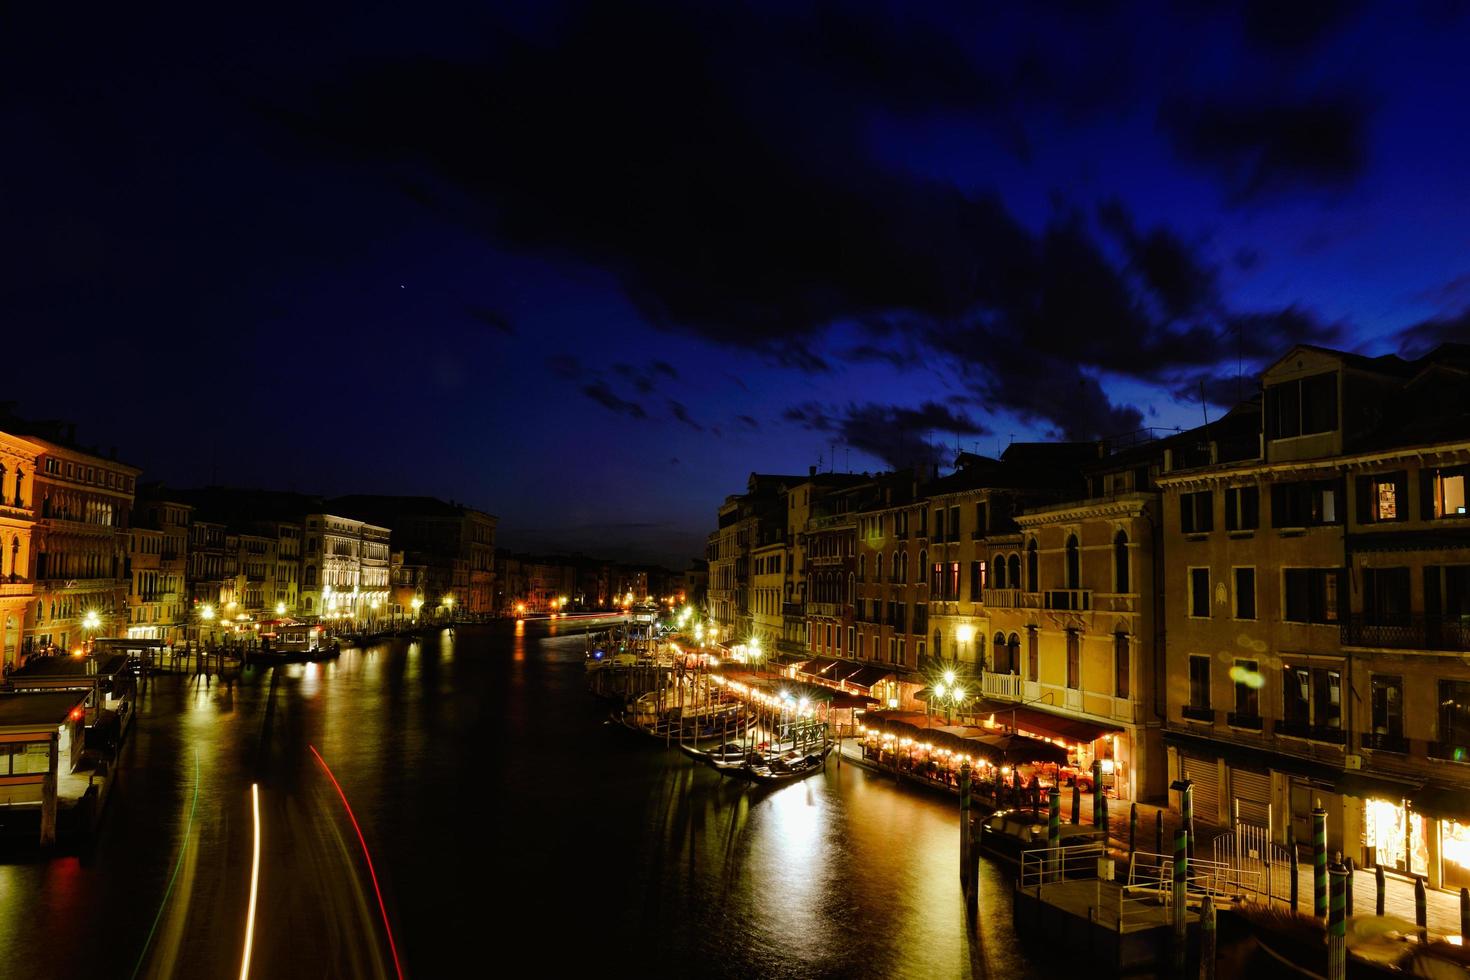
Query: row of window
point(1381, 498)
point(944, 577)
point(1309, 595)
point(88, 474)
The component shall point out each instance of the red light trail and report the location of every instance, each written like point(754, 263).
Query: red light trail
point(363, 841)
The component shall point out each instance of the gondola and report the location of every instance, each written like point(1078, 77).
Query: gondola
point(786, 767)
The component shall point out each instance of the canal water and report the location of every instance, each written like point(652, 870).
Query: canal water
point(507, 823)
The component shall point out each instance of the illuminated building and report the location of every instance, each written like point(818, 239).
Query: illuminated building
point(17, 523)
point(1319, 579)
point(82, 502)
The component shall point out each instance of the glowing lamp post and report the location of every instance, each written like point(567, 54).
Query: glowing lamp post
point(417, 603)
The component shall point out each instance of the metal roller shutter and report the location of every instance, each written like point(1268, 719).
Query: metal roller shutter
point(1205, 774)
point(1252, 790)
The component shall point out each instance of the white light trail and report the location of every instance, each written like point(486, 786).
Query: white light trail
point(254, 884)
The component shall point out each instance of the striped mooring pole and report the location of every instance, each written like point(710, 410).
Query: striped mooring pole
point(1186, 814)
point(1319, 861)
point(1207, 939)
point(965, 826)
point(1421, 910)
point(1076, 802)
point(1381, 887)
point(1337, 926)
point(1098, 817)
point(1132, 831)
point(1159, 832)
point(1350, 871)
point(1054, 831)
point(1180, 900)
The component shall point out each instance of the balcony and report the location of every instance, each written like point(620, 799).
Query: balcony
point(1414, 632)
point(1450, 751)
point(1196, 713)
point(1005, 686)
point(1074, 600)
point(1238, 719)
point(795, 609)
point(1316, 733)
point(1009, 598)
point(832, 610)
point(1385, 743)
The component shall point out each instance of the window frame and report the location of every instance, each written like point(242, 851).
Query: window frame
point(1194, 613)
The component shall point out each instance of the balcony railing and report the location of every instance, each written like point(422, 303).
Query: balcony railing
point(1007, 686)
point(1237, 719)
point(17, 588)
point(1317, 733)
point(1449, 750)
point(1385, 743)
point(833, 610)
point(1413, 632)
point(1076, 600)
point(793, 609)
point(1196, 713)
point(1009, 598)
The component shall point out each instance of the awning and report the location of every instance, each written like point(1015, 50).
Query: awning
point(819, 667)
point(1371, 786)
point(980, 743)
point(867, 675)
point(1442, 802)
point(1057, 726)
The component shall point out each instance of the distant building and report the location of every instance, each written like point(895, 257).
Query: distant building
point(453, 543)
point(344, 568)
point(166, 580)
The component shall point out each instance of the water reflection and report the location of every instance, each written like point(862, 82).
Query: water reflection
point(503, 813)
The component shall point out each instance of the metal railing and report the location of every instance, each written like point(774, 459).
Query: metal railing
point(1417, 631)
point(1075, 600)
point(1041, 866)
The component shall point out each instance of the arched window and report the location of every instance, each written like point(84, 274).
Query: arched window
point(308, 603)
point(1013, 570)
point(1001, 582)
point(878, 568)
point(1074, 563)
point(862, 568)
point(893, 569)
point(923, 564)
point(938, 647)
point(1120, 562)
point(998, 651)
point(1032, 566)
point(310, 579)
point(1013, 653)
point(903, 567)
point(849, 589)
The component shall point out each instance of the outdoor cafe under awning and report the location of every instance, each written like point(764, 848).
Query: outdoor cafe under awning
point(995, 747)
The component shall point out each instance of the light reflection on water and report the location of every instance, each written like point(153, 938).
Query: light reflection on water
point(505, 814)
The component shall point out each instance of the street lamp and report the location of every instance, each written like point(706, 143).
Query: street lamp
point(416, 602)
point(280, 609)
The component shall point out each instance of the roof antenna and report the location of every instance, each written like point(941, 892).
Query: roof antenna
point(847, 459)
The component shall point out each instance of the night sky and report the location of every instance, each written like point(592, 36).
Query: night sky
point(587, 266)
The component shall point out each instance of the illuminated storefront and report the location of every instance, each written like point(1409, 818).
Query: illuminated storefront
point(1454, 854)
point(1397, 837)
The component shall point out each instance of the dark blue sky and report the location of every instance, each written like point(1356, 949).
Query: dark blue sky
point(587, 267)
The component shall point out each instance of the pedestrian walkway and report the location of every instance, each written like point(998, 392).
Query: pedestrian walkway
point(1442, 908)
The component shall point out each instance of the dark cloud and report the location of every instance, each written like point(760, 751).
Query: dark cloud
point(1290, 27)
point(744, 204)
point(599, 392)
point(1180, 282)
point(491, 318)
point(1422, 337)
point(1222, 390)
point(664, 367)
point(897, 434)
point(681, 413)
point(747, 421)
point(1273, 145)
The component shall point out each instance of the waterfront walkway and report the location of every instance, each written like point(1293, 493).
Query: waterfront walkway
point(1443, 907)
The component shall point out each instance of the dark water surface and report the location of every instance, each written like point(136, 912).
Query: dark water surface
point(507, 823)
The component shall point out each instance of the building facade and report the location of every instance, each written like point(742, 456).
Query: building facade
point(17, 528)
point(83, 503)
